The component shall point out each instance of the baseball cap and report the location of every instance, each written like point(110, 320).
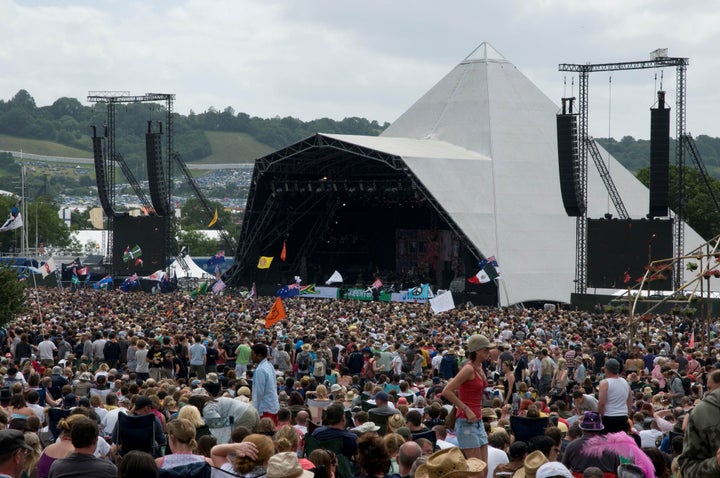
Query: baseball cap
point(142, 402)
point(382, 396)
point(11, 440)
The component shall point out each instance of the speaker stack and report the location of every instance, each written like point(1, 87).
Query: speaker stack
point(659, 158)
point(156, 175)
point(568, 163)
point(100, 175)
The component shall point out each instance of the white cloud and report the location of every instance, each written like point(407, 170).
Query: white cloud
point(331, 58)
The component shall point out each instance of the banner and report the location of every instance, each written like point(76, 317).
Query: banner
point(367, 295)
point(442, 303)
point(276, 314)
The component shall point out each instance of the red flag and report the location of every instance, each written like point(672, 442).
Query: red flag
point(283, 253)
point(691, 344)
point(276, 314)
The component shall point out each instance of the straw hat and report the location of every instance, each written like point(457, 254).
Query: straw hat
point(450, 463)
point(306, 347)
point(530, 467)
point(395, 421)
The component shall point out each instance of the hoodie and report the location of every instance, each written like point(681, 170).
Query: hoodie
point(702, 439)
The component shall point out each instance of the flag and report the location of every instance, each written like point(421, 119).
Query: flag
point(14, 221)
point(626, 277)
point(74, 264)
point(201, 290)
point(213, 220)
point(308, 289)
point(48, 268)
point(264, 262)
point(288, 291)
point(377, 284)
point(442, 303)
point(75, 279)
point(23, 275)
point(691, 344)
point(334, 278)
point(156, 276)
point(283, 252)
point(218, 258)
point(253, 292)
point(87, 278)
point(103, 283)
point(83, 271)
point(218, 286)
point(131, 254)
point(420, 292)
point(276, 314)
point(489, 271)
point(130, 282)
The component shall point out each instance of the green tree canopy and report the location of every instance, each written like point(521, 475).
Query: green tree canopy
point(12, 298)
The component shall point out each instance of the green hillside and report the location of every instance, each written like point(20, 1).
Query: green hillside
point(46, 148)
point(233, 148)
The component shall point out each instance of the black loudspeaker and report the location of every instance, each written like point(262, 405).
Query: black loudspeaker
point(659, 159)
point(100, 177)
point(156, 174)
point(567, 142)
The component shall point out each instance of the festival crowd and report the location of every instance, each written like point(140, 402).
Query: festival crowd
point(103, 383)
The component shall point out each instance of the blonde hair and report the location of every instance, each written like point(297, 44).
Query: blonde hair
point(33, 457)
point(321, 391)
point(265, 449)
point(183, 431)
point(392, 443)
point(286, 439)
point(65, 424)
point(191, 414)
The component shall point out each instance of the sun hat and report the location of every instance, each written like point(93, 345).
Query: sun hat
point(477, 342)
point(591, 422)
point(395, 421)
point(489, 413)
point(366, 427)
point(286, 465)
point(531, 464)
point(450, 463)
point(335, 388)
point(553, 469)
point(244, 391)
point(306, 347)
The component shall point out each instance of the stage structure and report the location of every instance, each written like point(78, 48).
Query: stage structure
point(158, 223)
point(659, 59)
point(351, 203)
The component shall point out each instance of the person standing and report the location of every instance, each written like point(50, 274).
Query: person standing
point(470, 384)
point(242, 358)
point(614, 399)
point(198, 356)
point(47, 351)
point(264, 386)
point(82, 462)
point(701, 454)
point(111, 351)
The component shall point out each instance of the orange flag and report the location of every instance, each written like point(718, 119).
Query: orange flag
point(283, 253)
point(276, 314)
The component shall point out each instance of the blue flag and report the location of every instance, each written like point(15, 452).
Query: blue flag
point(103, 283)
point(288, 291)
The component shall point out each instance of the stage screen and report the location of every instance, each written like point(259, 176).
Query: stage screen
point(143, 238)
point(618, 251)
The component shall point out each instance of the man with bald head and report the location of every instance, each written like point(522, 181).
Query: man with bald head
point(408, 453)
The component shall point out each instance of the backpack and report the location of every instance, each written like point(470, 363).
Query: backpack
point(303, 361)
point(319, 368)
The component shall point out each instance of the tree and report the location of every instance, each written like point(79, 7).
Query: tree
point(195, 216)
point(12, 298)
point(700, 211)
point(199, 244)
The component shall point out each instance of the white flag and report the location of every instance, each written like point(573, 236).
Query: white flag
point(48, 268)
point(13, 222)
point(442, 303)
point(336, 277)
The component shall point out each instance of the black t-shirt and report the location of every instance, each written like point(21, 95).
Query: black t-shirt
point(211, 356)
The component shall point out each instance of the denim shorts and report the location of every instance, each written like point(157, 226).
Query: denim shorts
point(470, 435)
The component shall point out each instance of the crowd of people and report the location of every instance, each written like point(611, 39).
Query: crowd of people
point(103, 383)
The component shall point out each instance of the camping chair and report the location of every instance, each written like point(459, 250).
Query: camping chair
point(381, 421)
point(344, 466)
point(428, 435)
point(525, 428)
point(136, 432)
point(54, 415)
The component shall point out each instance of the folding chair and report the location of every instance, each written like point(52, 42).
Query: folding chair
point(344, 466)
point(428, 435)
point(525, 428)
point(54, 415)
point(381, 421)
point(136, 432)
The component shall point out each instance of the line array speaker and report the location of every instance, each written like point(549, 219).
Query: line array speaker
point(100, 176)
point(659, 159)
point(156, 174)
point(568, 165)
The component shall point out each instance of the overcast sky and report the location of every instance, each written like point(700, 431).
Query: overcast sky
point(338, 58)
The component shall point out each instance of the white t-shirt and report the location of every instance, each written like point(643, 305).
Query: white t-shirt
point(46, 349)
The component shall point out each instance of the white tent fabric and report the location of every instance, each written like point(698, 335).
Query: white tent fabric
point(194, 270)
point(483, 142)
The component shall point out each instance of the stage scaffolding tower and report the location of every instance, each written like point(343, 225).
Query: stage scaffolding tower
point(583, 86)
point(111, 99)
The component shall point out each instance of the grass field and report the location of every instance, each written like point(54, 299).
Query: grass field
point(46, 148)
point(233, 148)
